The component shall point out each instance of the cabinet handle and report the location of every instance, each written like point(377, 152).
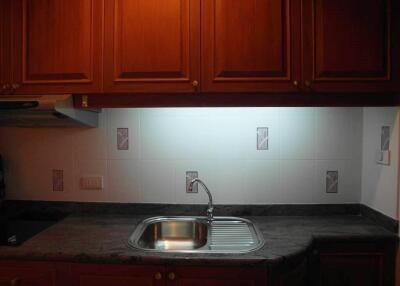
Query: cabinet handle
point(307, 83)
point(195, 83)
point(15, 281)
point(296, 83)
point(158, 276)
point(171, 276)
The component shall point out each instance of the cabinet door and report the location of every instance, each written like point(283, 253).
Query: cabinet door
point(116, 275)
point(58, 46)
point(351, 269)
point(5, 46)
point(27, 274)
point(250, 45)
point(152, 45)
point(218, 276)
point(347, 45)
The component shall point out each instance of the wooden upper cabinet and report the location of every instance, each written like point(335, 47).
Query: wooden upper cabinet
point(152, 46)
point(347, 45)
point(250, 45)
point(58, 46)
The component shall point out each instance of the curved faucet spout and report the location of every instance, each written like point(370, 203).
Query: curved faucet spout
point(210, 209)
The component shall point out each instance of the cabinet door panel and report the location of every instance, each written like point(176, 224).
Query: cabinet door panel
point(60, 45)
point(27, 274)
point(5, 41)
point(351, 269)
point(116, 275)
point(349, 48)
point(250, 45)
point(152, 45)
point(219, 276)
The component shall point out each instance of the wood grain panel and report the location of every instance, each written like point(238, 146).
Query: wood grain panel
point(29, 274)
point(116, 275)
point(351, 39)
point(152, 45)
point(347, 45)
point(250, 45)
point(5, 41)
point(60, 46)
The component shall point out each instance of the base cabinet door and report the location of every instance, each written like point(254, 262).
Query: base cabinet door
point(116, 275)
point(216, 276)
point(351, 269)
point(27, 274)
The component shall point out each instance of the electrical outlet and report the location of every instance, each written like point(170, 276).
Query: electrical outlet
point(92, 183)
point(332, 182)
point(190, 175)
point(122, 138)
point(262, 138)
point(58, 180)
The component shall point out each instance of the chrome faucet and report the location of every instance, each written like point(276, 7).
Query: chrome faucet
point(210, 208)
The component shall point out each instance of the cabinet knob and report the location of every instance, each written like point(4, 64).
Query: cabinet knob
point(296, 83)
point(15, 281)
point(85, 103)
point(158, 276)
point(307, 83)
point(195, 83)
point(171, 276)
point(15, 86)
point(5, 87)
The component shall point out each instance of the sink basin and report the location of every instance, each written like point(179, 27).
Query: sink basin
point(184, 234)
point(196, 234)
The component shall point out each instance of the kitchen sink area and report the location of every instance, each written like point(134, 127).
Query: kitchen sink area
point(197, 235)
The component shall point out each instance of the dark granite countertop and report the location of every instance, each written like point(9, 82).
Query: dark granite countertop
point(103, 239)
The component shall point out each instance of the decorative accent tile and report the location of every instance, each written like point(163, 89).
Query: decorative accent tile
point(123, 138)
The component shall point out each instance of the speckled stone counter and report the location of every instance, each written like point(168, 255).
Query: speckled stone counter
point(103, 239)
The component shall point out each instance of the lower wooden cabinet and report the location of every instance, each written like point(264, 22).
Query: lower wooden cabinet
point(27, 274)
point(353, 264)
point(116, 275)
point(218, 276)
point(329, 264)
point(350, 269)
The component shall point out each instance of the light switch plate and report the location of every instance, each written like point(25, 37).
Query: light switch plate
point(262, 138)
point(190, 175)
point(383, 157)
point(92, 183)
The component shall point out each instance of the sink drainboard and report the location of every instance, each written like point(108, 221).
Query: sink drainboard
point(231, 235)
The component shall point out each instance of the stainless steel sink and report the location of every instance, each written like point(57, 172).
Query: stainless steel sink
point(196, 234)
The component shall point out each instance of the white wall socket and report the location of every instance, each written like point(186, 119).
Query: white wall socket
point(92, 183)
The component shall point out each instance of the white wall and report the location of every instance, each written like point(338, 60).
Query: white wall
point(219, 143)
point(379, 183)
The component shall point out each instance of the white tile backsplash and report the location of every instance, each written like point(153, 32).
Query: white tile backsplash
point(219, 143)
